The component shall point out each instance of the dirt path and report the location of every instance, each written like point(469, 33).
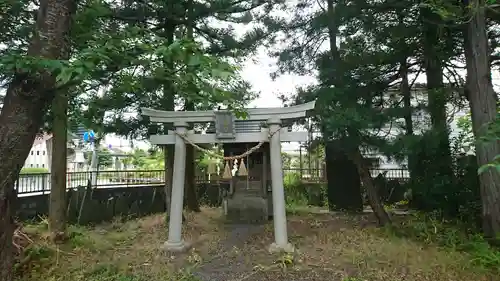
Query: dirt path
point(330, 248)
point(243, 255)
point(225, 265)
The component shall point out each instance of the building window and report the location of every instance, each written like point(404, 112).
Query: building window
point(43, 165)
point(32, 152)
point(31, 165)
point(38, 152)
point(43, 152)
point(37, 165)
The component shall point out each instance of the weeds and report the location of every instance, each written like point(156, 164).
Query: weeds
point(449, 235)
point(117, 251)
point(347, 248)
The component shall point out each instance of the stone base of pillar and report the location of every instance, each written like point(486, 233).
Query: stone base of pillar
point(178, 247)
point(287, 248)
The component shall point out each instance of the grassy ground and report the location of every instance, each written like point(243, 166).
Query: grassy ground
point(344, 248)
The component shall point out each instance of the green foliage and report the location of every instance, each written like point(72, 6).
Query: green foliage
point(146, 160)
point(39, 255)
point(495, 164)
point(353, 103)
point(299, 193)
point(364, 78)
point(453, 196)
point(216, 82)
point(104, 157)
point(294, 190)
point(205, 159)
point(492, 135)
point(139, 157)
point(457, 12)
point(150, 64)
point(286, 159)
point(352, 279)
point(457, 236)
point(109, 272)
point(155, 160)
point(34, 171)
point(467, 139)
point(125, 56)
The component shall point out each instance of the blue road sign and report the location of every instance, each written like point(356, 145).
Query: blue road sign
point(89, 136)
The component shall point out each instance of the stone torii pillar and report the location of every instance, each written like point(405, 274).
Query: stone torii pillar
point(175, 243)
point(279, 210)
point(273, 116)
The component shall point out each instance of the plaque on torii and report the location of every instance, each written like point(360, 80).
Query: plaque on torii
point(224, 125)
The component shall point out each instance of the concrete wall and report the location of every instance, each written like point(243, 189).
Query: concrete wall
point(94, 206)
point(103, 204)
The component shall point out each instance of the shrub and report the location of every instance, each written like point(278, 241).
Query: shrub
point(295, 192)
point(455, 195)
point(299, 193)
point(454, 235)
point(34, 171)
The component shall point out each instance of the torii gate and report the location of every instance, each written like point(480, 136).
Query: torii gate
point(226, 134)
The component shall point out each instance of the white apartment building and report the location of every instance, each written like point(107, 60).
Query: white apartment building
point(421, 123)
point(38, 156)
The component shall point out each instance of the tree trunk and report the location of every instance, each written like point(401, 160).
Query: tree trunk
point(408, 110)
point(344, 186)
point(350, 197)
point(371, 190)
point(168, 103)
point(483, 112)
point(437, 94)
point(25, 103)
point(169, 175)
point(57, 207)
point(190, 176)
point(192, 203)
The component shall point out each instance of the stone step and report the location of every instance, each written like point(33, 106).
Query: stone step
point(246, 209)
point(250, 193)
point(251, 185)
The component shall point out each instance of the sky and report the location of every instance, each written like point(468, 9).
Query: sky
point(258, 73)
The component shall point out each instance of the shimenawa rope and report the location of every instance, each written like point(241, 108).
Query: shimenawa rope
point(226, 158)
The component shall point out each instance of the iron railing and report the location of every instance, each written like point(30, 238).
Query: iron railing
point(319, 175)
point(306, 174)
point(392, 174)
point(40, 182)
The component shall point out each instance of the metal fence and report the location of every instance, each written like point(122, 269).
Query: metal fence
point(400, 174)
point(40, 182)
point(306, 174)
point(319, 175)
